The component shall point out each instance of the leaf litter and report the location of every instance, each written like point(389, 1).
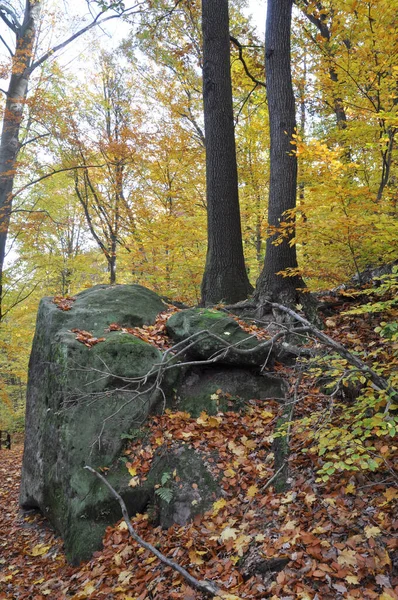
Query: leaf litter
point(317, 541)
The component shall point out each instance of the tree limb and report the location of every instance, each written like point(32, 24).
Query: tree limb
point(14, 24)
point(379, 382)
point(246, 68)
point(96, 22)
point(203, 586)
point(55, 172)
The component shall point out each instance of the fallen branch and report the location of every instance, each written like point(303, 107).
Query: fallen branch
point(379, 382)
point(203, 586)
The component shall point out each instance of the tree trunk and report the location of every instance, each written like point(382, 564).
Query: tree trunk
point(225, 278)
point(283, 161)
point(12, 118)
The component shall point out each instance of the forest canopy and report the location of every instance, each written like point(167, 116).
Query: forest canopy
point(107, 182)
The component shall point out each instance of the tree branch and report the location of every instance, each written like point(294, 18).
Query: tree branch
point(240, 50)
point(379, 382)
point(206, 587)
point(55, 172)
point(7, 46)
point(97, 22)
point(14, 25)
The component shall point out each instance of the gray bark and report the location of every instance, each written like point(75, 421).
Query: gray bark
point(283, 160)
point(225, 278)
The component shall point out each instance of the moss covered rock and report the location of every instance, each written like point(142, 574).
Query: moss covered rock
point(184, 485)
point(80, 401)
point(215, 389)
point(211, 332)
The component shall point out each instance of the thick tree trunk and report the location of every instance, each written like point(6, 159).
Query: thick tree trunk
point(12, 118)
point(225, 277)
point(283, 160)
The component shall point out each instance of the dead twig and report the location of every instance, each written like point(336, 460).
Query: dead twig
point(379, 382)
point(203, 586)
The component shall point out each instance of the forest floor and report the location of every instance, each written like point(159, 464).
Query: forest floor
point(330, 539)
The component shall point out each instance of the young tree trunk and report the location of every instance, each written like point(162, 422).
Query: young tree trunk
point(283, 160)
point(23, 65)
point(12, 118)
point(225, 278)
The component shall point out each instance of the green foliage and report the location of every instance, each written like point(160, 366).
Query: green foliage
point(165, 493)
point(352, 435)
point(387, 286)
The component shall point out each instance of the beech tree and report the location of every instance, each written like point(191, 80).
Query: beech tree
point(23, 26)
point(280, 253)
point(225, 277)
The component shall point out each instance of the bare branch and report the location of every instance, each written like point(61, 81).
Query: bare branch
point(55, 172)
point(379, 382)
point(97, 22)
point(246, 68)
point(7, 46)
point(13, 24)
point(206, 587)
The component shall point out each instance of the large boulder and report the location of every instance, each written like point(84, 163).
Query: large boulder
point(210, 332)
point(80, 401)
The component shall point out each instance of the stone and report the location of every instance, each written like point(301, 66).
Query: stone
point(193, 493)
point(199, 387)
point(80, 401)
point(187, 323)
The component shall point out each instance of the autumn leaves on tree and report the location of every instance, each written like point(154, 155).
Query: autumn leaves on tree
point(128, 188)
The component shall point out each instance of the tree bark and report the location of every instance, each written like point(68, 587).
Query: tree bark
point(225, 277)
point(283, 161)
point(13, 114)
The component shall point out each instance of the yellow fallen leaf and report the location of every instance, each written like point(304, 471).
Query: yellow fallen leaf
point(39, 550)
point(88, 589)
point(195, 558)
point(252, 491)
point(260, 537)
point(288, 498)
point(124, 577)
point(266, 414)
point(229, 473)
point(350, 488)
point(134, 481)
point(122, 526)
point(217, 506)
point(229, 533)
point(241, 543)
point(372, 531)
point(352, 579)
point(347, 557)
point(391, 494)
point(387, 596)
point(202, 419)
point(133, 471)
point(214, 421)
point(309, 499)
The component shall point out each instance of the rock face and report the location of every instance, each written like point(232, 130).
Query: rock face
point(78, 406)
point(219, 332)
point(194, 492)
point(215, 389)
point(81, 400)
